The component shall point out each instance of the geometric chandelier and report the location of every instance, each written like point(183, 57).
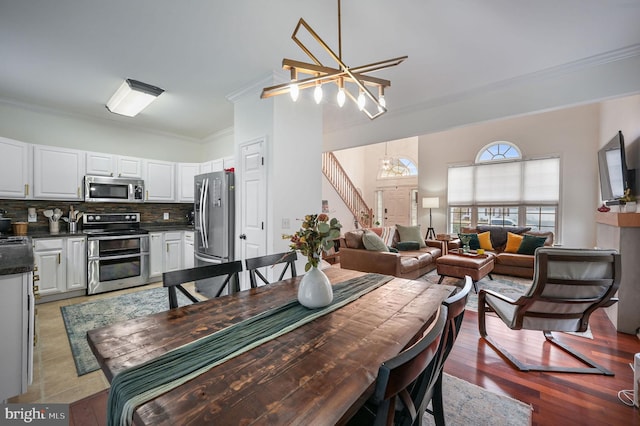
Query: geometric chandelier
point(373, 105)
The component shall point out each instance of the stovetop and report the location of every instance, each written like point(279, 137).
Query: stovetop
point(112, 224)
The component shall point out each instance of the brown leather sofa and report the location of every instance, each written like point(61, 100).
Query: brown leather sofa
point(404, 264)
point(518, 265)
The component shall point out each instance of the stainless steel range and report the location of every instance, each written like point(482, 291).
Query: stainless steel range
point(117, 251)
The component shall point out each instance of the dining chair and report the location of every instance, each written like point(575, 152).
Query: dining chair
point(456, 306)
point(403, 380)
point(173, 280)
point(568, 286)
point(253, 265)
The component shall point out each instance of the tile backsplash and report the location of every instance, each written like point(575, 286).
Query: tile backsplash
point(150, 213)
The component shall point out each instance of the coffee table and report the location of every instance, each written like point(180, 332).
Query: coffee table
point(458, 265)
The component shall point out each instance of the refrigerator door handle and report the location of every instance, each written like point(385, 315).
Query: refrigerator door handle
point(204, 213)
point(208, 259)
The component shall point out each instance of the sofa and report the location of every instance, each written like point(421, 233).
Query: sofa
point(510, 258)
point(403, 257)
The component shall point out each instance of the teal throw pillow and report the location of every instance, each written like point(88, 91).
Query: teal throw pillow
point(393, 249)
point(408, 245)
point(410, 233)
point(474, 242)
point(373, 242)
point(530, 243)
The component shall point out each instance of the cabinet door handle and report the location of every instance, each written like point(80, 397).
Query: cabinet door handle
point(36, 278)
point(167, 247)
point(147, 194)
point(59, 258)
point(26, 189)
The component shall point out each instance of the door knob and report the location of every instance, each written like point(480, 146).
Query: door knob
point(243, 236)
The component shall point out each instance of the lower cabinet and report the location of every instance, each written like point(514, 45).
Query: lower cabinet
point(165, 252)
point(59, 266)
point(188, 260)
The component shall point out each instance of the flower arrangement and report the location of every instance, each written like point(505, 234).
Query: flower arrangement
point(316, 235)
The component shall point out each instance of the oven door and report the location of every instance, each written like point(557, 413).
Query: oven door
point(117, 262)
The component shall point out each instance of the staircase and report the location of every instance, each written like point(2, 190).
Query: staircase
point(346, 189)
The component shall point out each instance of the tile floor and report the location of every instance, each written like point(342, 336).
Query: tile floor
point(54, 377)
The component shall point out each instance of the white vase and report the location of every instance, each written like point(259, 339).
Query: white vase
point(314, 290)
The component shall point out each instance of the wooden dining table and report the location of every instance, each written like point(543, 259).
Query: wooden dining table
point(319, 373)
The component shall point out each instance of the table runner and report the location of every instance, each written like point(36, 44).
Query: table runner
point(142, 383)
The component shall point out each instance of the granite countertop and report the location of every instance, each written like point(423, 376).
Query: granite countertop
point(64, 233)
point(16, 258)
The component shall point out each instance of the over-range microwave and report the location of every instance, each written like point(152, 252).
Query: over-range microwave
point(108, 189)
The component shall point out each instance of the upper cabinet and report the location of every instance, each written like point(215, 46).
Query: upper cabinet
point(57, 173)
point(159, 181)
point(186, 175)
point(15, 169)
point(99, 164)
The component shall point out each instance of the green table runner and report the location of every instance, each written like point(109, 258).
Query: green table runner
point(142, 383)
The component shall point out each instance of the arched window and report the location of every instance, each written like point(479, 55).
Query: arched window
point(497, 151)
point(396, 167)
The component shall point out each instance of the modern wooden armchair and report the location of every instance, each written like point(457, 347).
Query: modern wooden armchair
point(568, 285)
point(253, 265)
point(173, 280)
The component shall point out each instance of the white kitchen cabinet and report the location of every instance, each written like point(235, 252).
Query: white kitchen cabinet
point(15, 169)
point(173, 251)
point(228, 163)
point(49, 266)
point(188, 260)
point(16, 333)
point(159, 180)
point(156, 254)
point(129, 167)
point(58, 173)
point(212, 166)
point(186, 175)
point(76, 258)
point(99, 164)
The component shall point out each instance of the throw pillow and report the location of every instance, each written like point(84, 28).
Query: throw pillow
point(513, 242)
point(530, 243)
point(484, 240)
point(373, 242)
point(392, 249)
point(474, 242)
point(410, 233)
point(353, 239)
point(499, 233)
point(408, 245)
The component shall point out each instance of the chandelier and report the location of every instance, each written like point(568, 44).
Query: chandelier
point(370, 97)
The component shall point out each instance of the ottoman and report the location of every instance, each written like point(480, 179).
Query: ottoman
point(459, 265)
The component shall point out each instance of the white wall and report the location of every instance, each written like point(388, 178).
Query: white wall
point(571, 133)
point(219, 145)
point(48, 128)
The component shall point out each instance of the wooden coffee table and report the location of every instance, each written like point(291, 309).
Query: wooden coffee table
point(458, 265)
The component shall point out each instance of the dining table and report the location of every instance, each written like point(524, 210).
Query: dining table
point(319, 373)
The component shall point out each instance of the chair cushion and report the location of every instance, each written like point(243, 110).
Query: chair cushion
point(530, 243)
point(373, 242)
point(411, 233)
point(513, 242)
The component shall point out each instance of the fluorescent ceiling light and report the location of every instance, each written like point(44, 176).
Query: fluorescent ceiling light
point(132, 97)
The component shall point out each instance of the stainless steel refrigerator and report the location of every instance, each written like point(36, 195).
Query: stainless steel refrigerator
point(214, 218)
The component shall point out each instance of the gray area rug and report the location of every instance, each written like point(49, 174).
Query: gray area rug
point(82, 317)
point(509, 286)
point(468, 404)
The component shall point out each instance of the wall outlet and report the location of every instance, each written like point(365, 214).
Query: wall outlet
point(285, 223)
point(165, 216)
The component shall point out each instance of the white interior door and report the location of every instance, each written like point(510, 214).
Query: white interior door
point(253, 232)
point(396, 204)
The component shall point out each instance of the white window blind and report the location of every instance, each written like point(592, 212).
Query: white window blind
point(531, 181)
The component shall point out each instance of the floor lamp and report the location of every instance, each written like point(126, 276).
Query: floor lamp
point(430, 203)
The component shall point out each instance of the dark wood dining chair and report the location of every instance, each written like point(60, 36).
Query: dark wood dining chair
point(568, 286)
point(404, 380)
point(456, 306)
point(253, 265)
point(173, 280)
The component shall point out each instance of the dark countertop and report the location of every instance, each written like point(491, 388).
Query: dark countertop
point(16, 258)
point(44, 233)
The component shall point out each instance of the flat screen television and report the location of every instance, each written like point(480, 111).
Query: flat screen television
point(615, 177)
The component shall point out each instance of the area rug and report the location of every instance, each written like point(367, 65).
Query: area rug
point(82, 317)
point(509, 286)
point(468, 404)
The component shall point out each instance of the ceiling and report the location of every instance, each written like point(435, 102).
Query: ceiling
point(69, 56)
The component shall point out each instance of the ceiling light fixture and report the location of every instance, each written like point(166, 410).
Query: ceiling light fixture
point(321, 74)
point(132, 97)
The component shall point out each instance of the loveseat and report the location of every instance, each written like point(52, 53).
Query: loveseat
point(513, 253)
point(408, 256)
